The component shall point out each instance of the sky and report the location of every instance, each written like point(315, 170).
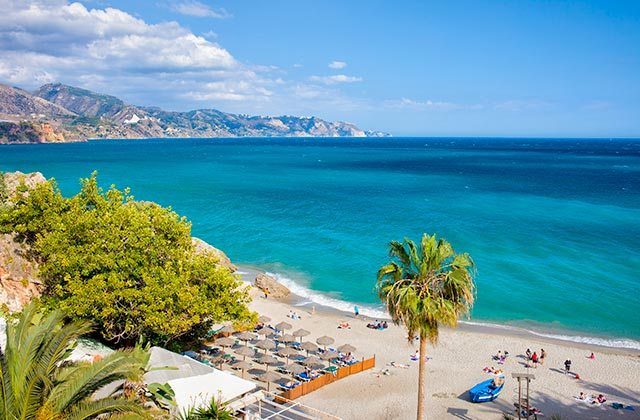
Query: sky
point(474, 68)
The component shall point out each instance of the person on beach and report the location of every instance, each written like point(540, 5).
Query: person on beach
point(543, 354)
point(356, 311)
point(528, 353)
point(534, 359)
point(266, 293)
point(582, 396)
point(567, 366)
point(591, 356)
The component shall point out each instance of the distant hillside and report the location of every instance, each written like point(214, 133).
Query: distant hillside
point(57, 112)
point(15, 101)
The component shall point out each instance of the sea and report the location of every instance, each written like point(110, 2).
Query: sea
point(553, 225)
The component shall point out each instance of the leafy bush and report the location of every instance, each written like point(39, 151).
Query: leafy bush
point(127, 266)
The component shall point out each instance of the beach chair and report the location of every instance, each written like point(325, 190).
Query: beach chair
point(331, 369)
point(304, 377)
point(284, 386)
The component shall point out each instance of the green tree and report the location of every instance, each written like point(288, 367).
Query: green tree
point(423, 287)
point(36, 384)
point(128, 266)
point(214, 410)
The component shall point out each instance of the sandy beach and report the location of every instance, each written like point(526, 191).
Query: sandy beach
point(456, 364)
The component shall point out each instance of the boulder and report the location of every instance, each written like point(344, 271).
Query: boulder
point(266, 282)
point(18, 275)
point(12, 180)
point(204, 248)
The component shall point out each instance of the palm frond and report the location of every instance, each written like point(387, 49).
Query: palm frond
point(92, 409)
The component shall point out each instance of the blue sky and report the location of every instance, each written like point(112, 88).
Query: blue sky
point(437, 68)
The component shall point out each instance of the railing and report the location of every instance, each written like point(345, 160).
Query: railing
point(327, 378)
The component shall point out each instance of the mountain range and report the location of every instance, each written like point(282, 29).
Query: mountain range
point(58, 113)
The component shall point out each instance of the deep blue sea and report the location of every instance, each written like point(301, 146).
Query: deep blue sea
point(553, 225)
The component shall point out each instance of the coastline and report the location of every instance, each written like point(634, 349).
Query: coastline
point(566, 338)
point(454, 365)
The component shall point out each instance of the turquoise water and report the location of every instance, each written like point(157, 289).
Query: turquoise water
point(553, 225)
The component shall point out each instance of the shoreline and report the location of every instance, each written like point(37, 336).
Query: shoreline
point(475, 326)
point(454, 365)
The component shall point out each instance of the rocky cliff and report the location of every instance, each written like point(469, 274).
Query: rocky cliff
point(71, 113)
point(19, 281)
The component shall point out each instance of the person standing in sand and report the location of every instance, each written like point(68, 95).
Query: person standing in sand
point(567, 366)
point(543, 354)
point(356, 311)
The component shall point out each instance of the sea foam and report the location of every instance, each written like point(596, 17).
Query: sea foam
point(314, 297)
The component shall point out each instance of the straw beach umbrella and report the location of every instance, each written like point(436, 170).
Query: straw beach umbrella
point(309, 347)
point(267, 360)
point(325, 341)
point(329, 355)
point(346, 348)
point(312, 361)
point(264, 331)
point(225, 342)
point(245, 351)
point(288, 352)
point(245, 336)
point(227, 329)
point(263, 319)
point(301, 333)
point(269, 377)
point(295, 369)
point(284, 326)
point(242, 365)
point(287, 338)
point(266, 345)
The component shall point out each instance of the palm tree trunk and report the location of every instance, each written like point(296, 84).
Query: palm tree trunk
point(421, 375)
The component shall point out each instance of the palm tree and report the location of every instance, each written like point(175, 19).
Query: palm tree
point(36, 382)
point(423, 288)
point(215, 409)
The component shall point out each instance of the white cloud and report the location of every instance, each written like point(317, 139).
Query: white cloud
point(198, 9)
point(110, 51)
point(337, 65)
point(429, 104)
point(516, 105)
point(338, 78)
point(53, 40)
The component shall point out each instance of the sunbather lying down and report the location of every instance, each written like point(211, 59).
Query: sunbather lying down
point(399, 365)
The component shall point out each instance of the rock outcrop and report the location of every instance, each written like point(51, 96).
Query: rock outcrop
point(203, 247)
point(267, 283)
point(18, 275)
point(12, 180)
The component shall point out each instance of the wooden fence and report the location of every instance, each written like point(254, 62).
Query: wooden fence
point(327, 378)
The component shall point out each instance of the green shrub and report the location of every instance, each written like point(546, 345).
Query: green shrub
point(127, 266)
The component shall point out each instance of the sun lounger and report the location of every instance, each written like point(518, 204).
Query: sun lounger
point(331, 369)
point(287, 387)
point(304, 377)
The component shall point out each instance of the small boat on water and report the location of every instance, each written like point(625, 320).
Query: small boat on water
point(487, 390)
